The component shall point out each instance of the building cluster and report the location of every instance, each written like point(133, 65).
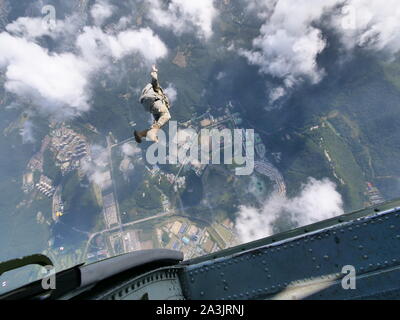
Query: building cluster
point(154, 170)
point(103, 246)
point(228, 223)
point(58, 205)
point(134, 240)
point(208, 121)
point(188, 238)
point(165, 203)
point(131, 241)
point(221, 123)
point(179, 182)
point(180, 234)
point(45, 186)
point(267, 169)
point(175, 180)
point(117, 243)
point(110, 211)
point(208, 244)
point(36, 163)
point(27, 182)
point(373, 194)
point(69, 148)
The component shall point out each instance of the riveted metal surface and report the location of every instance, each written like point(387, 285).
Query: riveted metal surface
point(371, 244)
point(160, 284)
point(381, 284)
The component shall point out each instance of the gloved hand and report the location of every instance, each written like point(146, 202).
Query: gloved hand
point(154, 76)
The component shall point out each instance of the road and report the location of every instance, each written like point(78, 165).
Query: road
point(120, 227)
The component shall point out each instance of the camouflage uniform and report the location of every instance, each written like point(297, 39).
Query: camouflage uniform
point(156, 102)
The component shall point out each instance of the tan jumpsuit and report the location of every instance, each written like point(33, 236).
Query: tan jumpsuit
point(156, 102)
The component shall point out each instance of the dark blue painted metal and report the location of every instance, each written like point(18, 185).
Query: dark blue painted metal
point(371, 244)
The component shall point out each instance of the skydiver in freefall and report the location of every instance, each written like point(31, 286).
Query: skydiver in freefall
point(156, 102)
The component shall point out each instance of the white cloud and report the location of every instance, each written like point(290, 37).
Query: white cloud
point(129, 149)
point(288, 44)
point(290, 39)
point(95, 45)
point(183, 16)
point(277, 93)
point(101, 11)
point(261, 8)
point(318, 200)
point(370, 24)
point(171, 93)
point(97, 169)
point(99, 156)
point(59, 83)
point(52, 80)
point(26, 132)
point(28, 27)
point(123, 23)
point(32, 28)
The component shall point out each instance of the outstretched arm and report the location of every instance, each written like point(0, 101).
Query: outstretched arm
point(154, 79)
point(156, 85)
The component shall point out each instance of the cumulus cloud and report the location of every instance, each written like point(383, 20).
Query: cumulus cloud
point(97, 168)
point(369, 24)
point(95, 45)
point(261, 8)
point(183, 16)
point(318, 200)
point(291, 37)
point(128, 149)
point(288, 46)
point(52, 80)
point(171, 93)
point(101, 11)
point(26, 132)
point(99, 156)
point(29, 27)
point(32, 28)
point(59, 83)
